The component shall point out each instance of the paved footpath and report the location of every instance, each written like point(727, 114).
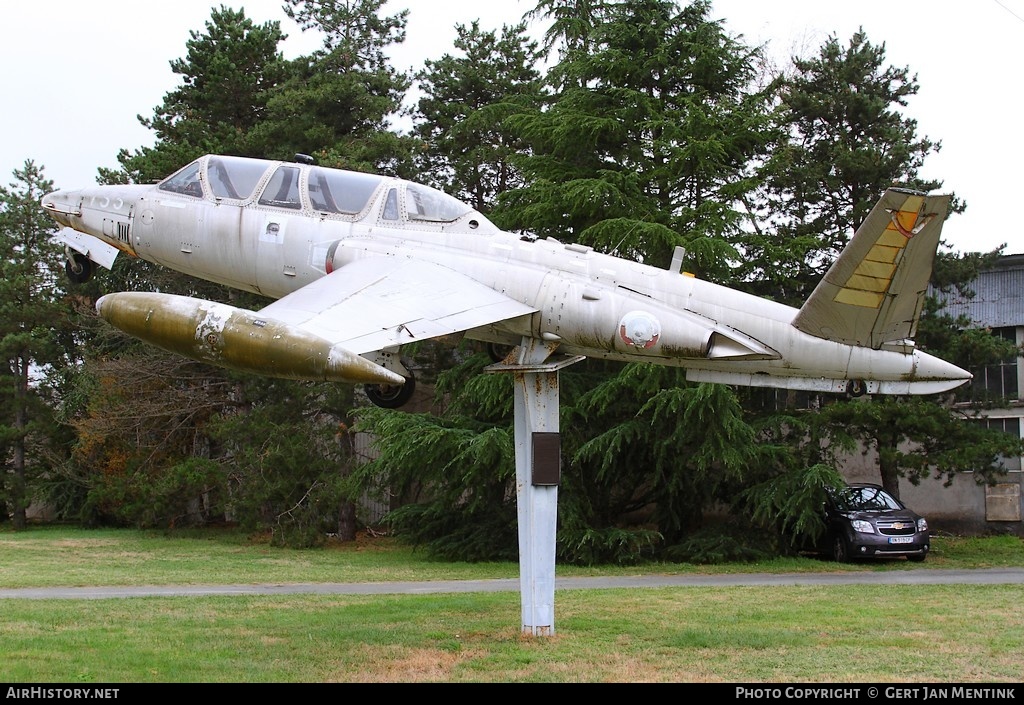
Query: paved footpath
point(984, 576)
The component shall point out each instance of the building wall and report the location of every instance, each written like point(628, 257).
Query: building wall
point(966, 507)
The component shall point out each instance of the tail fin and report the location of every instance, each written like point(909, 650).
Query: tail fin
point(873, 294)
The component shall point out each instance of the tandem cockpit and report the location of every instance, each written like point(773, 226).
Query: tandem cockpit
point(315, 190)
point(202, 203)
point(360, 265)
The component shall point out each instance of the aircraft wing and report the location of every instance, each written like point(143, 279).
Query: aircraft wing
point(381, 302)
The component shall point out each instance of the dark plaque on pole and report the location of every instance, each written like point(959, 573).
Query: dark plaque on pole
point(547, 458)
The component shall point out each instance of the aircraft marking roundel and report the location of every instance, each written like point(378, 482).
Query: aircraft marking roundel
point(640, 329)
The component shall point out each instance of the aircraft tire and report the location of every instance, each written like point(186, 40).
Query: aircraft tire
point(498, 352)
point(79, 268)
point(391, 396)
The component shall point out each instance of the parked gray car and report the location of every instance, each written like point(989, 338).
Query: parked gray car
point(865, 521)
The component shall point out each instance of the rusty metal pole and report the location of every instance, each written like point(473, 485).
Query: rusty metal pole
point(536, 447)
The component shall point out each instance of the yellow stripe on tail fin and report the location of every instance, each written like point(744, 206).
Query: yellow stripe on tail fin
point(874, 292)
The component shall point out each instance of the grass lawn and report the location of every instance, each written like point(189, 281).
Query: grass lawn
point(786, 634)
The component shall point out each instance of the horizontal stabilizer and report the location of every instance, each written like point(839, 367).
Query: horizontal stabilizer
point(827, 384)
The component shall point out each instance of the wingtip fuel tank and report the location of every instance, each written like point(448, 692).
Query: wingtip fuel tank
point(236, 338)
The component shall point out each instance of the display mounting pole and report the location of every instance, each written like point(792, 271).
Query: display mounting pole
point(538, 470)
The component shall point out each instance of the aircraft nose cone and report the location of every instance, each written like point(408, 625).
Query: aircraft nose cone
point(61, 205)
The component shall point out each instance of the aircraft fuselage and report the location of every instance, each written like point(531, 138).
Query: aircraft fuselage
point(284, 229)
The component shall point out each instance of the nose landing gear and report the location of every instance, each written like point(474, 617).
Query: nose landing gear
point(78, 267)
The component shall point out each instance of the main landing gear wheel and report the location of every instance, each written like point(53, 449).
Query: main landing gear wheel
point(391, 396)
point(856, 388)
point(498, 352)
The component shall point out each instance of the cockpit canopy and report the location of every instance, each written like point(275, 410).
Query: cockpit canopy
point(305, 187)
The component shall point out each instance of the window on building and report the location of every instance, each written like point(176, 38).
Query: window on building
point(999, 380)
point(770, 399)
point(1007, 425)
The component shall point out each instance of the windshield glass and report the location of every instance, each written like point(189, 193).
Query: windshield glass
point(425, 203)
point(185, 180)
point(856, 499)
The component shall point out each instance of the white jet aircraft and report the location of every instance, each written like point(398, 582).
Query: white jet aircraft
point(361, 264)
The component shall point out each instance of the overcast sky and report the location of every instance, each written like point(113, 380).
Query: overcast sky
point(76, 74)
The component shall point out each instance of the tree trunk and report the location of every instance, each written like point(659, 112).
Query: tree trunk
point(347, 521)
point(20, 424)
point(347, 509)
point(888, 469)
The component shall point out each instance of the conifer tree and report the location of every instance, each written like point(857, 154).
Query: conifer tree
point(847, 140)
point(467, 149)
point(227, 77)
point(34, 317)
point(843, 139)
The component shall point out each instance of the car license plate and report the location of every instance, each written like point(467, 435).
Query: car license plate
point(901, 539)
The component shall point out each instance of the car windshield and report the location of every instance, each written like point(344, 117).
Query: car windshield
point(856, 499)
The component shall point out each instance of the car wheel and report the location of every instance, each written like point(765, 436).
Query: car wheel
point(840, 549)
point(917, 559)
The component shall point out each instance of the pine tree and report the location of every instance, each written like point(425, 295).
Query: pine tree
point(609, 163)
point(843, 140)
point(846, 141)
point(227, 77)
point(646, 142)
point(467, 149)
point(33, 314)
point(338, 103)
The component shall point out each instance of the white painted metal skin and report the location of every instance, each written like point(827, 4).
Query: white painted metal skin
point(400, 262)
